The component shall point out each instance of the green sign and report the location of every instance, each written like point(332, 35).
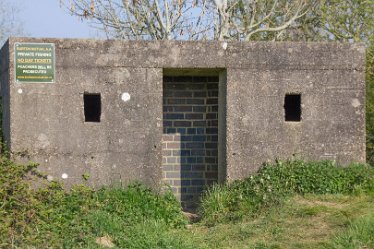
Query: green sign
point(35, 62)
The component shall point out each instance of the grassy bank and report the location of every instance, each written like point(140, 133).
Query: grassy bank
point(276, 182)
point(311, 221)
point(49, 217)
point(290, 204)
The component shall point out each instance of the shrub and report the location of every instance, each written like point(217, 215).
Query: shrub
point(84, 214)
point(50, 217)
point(18, 204)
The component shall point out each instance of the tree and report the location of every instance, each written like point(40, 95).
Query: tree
point(143, 19)
point(8, 24)
point(332, 20)
point(189, 19)
point(256, 20)
point(349, 20)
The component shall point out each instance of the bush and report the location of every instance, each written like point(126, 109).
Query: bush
point(84, 214)
point(18, 204)
point(275, 182)
point(50, 217)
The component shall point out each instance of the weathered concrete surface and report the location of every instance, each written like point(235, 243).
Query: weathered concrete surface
point(332, 125)
point(47, 120)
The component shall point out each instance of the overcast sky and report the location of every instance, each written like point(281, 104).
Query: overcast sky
point(45, 18)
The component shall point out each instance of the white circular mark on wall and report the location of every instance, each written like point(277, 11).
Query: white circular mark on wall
point(64, 176)
point(224, 45)
point(125, 96)
point(43, 141)
point(355, 103)
point(20, 91)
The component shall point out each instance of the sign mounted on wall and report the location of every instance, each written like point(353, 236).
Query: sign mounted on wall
point(34, 62)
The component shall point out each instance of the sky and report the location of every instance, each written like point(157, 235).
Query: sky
point(45, 18)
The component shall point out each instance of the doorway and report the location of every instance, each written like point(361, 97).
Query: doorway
point(190, 135)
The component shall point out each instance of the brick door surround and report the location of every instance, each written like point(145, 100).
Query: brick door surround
point(190, 137)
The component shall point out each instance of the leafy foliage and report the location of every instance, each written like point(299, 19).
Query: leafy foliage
point(18, 205)
point(50, 217)
point(349, 20)
point(275, 182)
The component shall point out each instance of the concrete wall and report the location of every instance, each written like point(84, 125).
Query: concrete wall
point(47, 121)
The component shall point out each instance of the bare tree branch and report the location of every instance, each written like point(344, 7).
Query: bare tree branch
point(143, 19)
point(243, 19)
point(191, 19)
point(297, 14)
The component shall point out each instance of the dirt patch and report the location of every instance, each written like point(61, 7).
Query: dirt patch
point(105, 241)
point(329, 204)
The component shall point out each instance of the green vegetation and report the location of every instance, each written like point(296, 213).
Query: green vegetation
point(49, 217)
point(291, 204)
point(301, 222)
point(275, 182)
point(358, 235)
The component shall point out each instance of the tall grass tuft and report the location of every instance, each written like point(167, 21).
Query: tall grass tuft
point(360, 234)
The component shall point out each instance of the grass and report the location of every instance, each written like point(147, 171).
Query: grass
point(360, 234)
point(276, 182)
point(291, 204)
point(312, 221)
